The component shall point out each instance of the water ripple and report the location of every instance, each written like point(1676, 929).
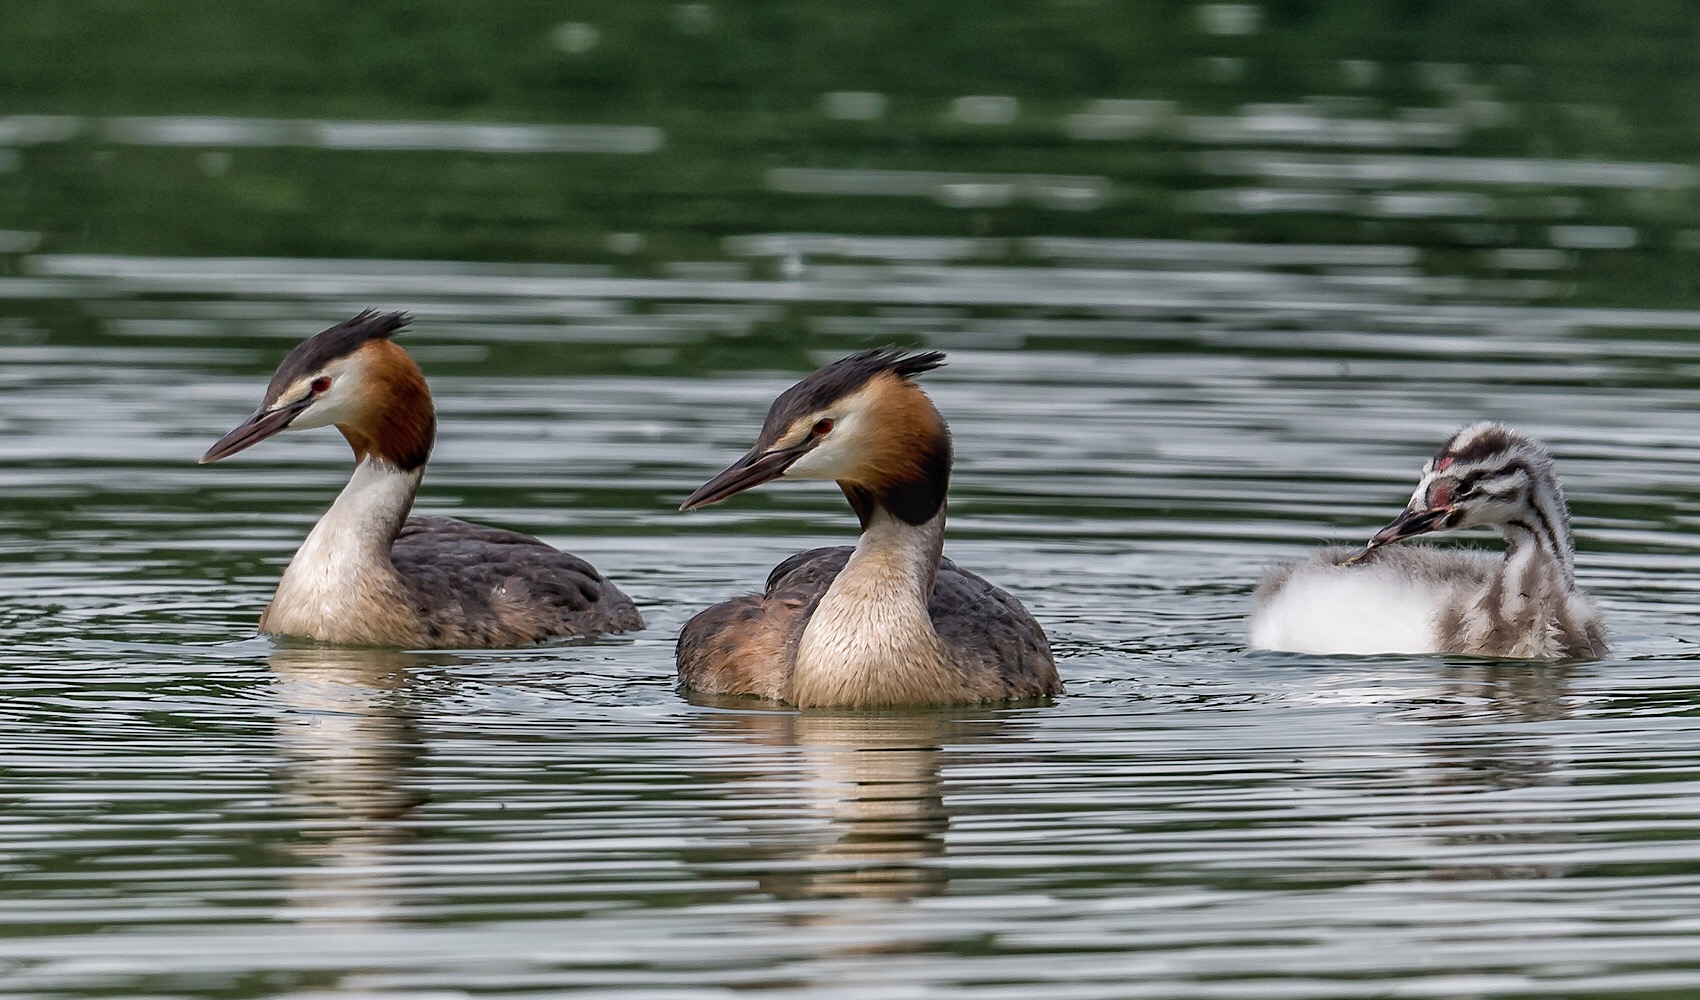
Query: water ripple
point(194, 811)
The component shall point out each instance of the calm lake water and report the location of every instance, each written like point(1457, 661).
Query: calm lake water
point(1214, 279)
point(190, 810)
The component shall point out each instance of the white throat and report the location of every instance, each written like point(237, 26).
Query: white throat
point(344, 565)
point(870, 640)
point(1535, 582)
point(1543, 535)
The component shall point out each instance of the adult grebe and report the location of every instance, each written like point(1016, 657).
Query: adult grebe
point(370, 575)
point(889, 622)
point(1415, 599)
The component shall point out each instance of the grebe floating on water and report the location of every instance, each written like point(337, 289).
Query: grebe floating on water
point(886, 623)
point(1415, 599)
point(368, 574)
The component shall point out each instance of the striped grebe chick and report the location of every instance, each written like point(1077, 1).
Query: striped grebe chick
point(370, 575)
point(889, 622)
point(1417, 599)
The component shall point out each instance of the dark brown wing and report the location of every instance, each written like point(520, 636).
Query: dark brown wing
point(808, 573)
point(983, 621)
point(747, 645)
point(481, 586)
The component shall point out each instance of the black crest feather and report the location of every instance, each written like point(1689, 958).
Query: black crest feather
point(911, 365)
point(339, 341)
point(842, 378)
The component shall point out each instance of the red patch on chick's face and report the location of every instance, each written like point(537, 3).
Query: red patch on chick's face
point(1440, 494)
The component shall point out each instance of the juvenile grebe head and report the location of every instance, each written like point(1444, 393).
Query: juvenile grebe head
point(860, 421)
point(351, 376)
point(1488, 474)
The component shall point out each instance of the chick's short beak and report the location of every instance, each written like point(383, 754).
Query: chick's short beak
point(1413, 522)
point(262, 424)
point(752, 470)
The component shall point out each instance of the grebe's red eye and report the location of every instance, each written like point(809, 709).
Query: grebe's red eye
point(321, 384)
point(822, 426)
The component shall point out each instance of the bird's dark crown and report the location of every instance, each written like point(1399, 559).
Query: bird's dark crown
point(1478, 443)
point(313, 354)
point(843, 378)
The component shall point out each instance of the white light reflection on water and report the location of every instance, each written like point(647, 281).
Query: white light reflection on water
point(226, 131)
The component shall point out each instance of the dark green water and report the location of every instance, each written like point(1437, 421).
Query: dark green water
point(1193, 331)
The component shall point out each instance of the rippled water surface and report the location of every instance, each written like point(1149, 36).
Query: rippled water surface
point(190, 810)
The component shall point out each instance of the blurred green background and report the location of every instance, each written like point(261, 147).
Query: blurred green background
point(1140, 97)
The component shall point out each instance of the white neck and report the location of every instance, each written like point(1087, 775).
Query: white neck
point(1542, 533)
point(1534, 579)
point(1539, 539)
point(344, 566)
point(1527, 552)
point(870, 640)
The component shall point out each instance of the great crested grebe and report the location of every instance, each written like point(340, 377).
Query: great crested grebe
point(370, 575)
point(1416, 599)
point(887, 623)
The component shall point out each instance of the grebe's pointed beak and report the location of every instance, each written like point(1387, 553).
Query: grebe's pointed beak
point(1414, 521)
point(1433, 507)
point(757, 467)
point(262, 424)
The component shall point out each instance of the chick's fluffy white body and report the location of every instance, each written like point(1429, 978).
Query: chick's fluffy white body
point(1365, 610)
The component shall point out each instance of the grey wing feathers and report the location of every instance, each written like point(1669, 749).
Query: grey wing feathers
point(808, 573)
point(480, 585)
point(969, 612)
